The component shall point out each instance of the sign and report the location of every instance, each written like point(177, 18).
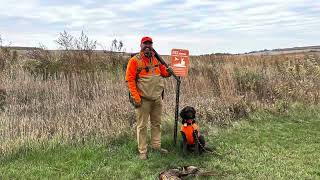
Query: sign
point(180, 62)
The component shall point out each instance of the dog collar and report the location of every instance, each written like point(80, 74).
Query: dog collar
point(189, 121)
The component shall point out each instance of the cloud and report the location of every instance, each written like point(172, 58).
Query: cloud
point(140, 5)
point(203, 26)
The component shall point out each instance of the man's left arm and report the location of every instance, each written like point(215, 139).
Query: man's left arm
point(165, 72)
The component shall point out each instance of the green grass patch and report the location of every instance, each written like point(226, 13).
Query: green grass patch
point(265, 146)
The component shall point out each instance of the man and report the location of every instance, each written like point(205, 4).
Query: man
point(146, 84)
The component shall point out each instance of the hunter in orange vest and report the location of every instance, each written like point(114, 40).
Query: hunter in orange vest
point(145, 78)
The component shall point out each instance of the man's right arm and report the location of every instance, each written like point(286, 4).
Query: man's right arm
point(131, 79)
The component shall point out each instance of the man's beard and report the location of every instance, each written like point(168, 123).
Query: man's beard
point(147, 53)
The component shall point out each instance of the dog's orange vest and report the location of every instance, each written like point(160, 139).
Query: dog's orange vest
point(188, 131)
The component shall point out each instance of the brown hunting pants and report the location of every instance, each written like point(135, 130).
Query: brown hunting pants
point(152, 109)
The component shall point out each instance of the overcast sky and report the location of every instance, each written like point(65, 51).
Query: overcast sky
point(201, 26)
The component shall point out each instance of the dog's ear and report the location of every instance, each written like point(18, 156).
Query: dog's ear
point(193, 110)
point(183, 112)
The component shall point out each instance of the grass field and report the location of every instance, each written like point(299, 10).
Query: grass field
point(265, 146)
point(59, 111)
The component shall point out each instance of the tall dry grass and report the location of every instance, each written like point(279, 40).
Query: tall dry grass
point(44, 97)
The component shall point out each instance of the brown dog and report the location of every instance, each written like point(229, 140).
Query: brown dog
point(192, 140)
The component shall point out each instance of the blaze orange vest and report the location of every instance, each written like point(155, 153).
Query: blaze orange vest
point(188, 131)
point(141, 74)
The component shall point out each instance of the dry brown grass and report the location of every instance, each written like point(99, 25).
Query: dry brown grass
point(91, 106)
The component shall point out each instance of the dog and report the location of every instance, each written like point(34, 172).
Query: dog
point(192, 140)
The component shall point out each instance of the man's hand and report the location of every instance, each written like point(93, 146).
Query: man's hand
point(137, 104)
point(169, 70)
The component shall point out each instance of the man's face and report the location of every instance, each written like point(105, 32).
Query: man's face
point(146, 48)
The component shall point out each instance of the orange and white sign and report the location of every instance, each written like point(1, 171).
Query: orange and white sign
point(180, 62)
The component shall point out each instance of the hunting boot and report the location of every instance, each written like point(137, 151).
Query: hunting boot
point(143, 156)
point(161, 150)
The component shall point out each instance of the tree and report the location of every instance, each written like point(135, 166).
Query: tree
point(116, 45)
point(65, 41)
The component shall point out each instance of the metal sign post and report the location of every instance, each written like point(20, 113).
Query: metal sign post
point(176, 117)
point(179, 64)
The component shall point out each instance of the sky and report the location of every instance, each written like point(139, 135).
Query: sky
point(202, 27)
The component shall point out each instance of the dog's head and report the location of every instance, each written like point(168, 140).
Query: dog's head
point(187, 113)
